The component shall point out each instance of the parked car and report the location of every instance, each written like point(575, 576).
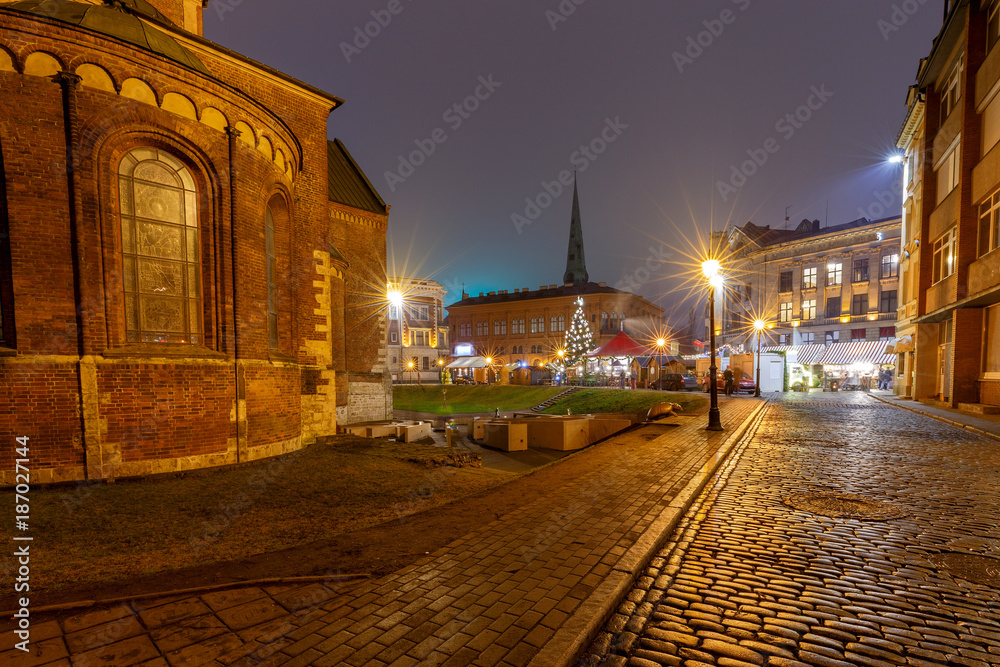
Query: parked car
point(677, 382)
point(745, 383)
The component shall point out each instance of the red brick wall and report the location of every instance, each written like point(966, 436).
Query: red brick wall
point(166, 411)
point(273, 405)
point(967, 345)
point(42, 402)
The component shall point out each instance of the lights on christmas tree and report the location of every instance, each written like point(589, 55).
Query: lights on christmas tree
point(579, 339)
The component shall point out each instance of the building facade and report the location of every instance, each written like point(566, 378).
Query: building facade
point(185, 254)
point(812, 285)
point(418, 335)
point(530, 325)
point(951, 233)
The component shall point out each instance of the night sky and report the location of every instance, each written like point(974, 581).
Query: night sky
point(669, 117)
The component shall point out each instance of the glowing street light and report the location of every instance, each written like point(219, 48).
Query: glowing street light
point(711, 268)
point(895, 159)
point(759, 326)
point(660, 342)
point(394, 296)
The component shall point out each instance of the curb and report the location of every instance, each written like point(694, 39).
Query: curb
point(198, 590)
point(960, 425)
point(579, 629)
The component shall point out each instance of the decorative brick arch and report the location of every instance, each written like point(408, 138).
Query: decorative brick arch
point(105, 163)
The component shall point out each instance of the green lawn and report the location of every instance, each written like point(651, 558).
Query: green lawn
point(588, 401)
point(469, 398)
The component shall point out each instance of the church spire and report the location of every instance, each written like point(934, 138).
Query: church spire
point(576, 265)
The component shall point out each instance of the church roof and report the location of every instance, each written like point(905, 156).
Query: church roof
point(576, 263)
point(347, 183)
point(119, 20)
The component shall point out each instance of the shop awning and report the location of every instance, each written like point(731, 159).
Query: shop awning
point(803, 354)
point(900, 345)
point(870, 352)
point(469, 362)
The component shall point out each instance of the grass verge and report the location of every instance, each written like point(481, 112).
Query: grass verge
point(469, 398)
point(116, 532)
point(615, 400)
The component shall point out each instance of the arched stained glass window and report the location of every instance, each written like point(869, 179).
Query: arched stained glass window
point(158, 204)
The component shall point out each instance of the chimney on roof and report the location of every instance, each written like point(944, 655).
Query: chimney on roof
point(480, 294)
point(517, 290)
point(553, 286)
point(602, 284)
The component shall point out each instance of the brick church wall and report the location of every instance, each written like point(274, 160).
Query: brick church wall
point(97, 407)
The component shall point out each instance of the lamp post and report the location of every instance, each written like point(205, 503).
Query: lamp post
point(759, 326)
point(660, 342)
point(710, 268)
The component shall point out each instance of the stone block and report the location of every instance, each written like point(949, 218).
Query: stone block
point(560, 433)
point(506, 436)
point(413, 432)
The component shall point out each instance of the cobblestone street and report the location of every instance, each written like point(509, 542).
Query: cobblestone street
point(904, 576)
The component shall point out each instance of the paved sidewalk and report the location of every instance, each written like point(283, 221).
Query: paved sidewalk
point(985, 424)
point(754, 577)
point(530, 587)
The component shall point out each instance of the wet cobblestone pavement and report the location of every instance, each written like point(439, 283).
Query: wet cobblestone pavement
point(751, 580)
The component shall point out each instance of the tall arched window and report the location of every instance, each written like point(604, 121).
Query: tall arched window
point(160, 248)
point(271, 259)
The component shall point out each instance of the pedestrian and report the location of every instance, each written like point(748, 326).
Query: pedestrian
point(728, 377)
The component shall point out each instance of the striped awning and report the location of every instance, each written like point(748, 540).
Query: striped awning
point(868, 351)
point(804, 354)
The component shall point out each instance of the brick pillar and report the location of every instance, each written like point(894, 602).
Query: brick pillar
point(966, 351)
point(968, 218)
point(928, 188)
point(231, 340)
point(925, 361)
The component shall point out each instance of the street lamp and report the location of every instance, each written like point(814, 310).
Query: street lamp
point(711, 267)
point(759, 326)
point(660, 342)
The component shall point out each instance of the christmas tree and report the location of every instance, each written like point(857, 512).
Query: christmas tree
point(578, 339)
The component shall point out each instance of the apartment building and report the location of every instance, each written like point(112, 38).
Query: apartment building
point(950, 310)
point(813, 285)
point(418, 335)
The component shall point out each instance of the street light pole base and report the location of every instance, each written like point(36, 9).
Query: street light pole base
point(714, 421)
